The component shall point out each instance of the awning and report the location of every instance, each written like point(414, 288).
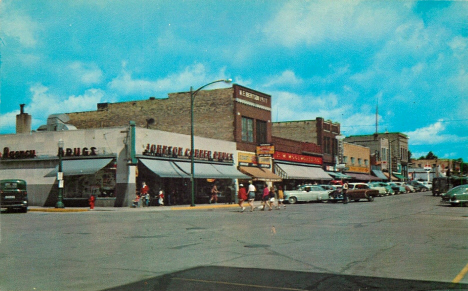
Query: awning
point(80, 167)
point(363, 177)
point(379, 174)
point(393, 177)
point(401, 177)
point(260, 174)
point(302, 172)
point(212, 171)
point(338, 175)
point(164, 169)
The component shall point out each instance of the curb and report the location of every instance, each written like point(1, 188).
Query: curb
point(58, 209)
point(151, 209)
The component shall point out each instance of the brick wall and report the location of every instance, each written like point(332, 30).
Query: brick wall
point(213, 114)
point(305, 131)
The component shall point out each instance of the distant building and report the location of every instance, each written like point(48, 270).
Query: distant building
point(319, 131)
point(390, 149)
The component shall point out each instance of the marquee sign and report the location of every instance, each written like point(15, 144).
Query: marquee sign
point(180, 152)
point(265, 150)
point(282, 156)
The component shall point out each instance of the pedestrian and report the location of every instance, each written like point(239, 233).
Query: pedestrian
point(161, 198)
point(214, 194)
point(265, 197)
point(344, 192)
point(143, 193)
point(280, 197)
point(251, 196)
point(147, 199)
point(136, 201)
point(271, 201)
point(242, 196)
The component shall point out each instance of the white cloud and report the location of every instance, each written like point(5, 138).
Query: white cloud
point(195, 75)
point(324, 21)
point(88, 74)
point(287, 77)
point(431, 134)
point(17, 26)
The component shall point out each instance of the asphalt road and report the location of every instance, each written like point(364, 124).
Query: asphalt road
point(403, 242)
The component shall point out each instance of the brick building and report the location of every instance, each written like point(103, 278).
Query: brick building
point(236, 114)
point(319, 131)
point(390, 148)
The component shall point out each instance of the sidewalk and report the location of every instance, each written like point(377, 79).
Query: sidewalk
point(151, 208)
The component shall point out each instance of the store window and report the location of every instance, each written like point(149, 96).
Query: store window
point(247, 129)
point(261, 131)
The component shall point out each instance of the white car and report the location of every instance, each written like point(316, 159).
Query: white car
point(306, 193)
point(376, 185)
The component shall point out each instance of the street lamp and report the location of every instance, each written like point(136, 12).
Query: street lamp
point(192, 164)
point(60, 176)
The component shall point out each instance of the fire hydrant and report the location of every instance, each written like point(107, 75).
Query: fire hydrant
point(91, 201)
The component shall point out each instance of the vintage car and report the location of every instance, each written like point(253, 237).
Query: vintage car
point(456, 196)
point(330, 188)
point(418, 186)
point(377, 186)
point(356, 192)
point(306, 193)
point(14, 195)
point(397, 188)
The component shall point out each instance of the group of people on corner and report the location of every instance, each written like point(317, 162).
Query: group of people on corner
point(143, 197)
point(269, 196)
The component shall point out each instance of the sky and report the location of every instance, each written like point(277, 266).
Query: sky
point(340, 60)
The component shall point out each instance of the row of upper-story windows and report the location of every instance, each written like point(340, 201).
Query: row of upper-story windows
point(352, 161)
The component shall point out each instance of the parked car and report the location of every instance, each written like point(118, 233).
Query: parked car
point(418, 186)
point(330, 188)
point(377, 186)
point(427, 184)
point(14, 195)
point(456, 196)
point(409, 188)
point(387, 186)
point(397, 188)
point(356, 192)
point(402, 185)
point(306, 193)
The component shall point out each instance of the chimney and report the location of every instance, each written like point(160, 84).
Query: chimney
point(23, 121)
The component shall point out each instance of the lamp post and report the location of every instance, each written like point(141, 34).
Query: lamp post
point(192, 164)
point(60, 176)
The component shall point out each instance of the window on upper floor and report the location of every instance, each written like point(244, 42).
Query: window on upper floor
point(353, 160)
point(247, 129)
point(366, 162)
point(261, 131)
point(359, 161)
point(345, 159)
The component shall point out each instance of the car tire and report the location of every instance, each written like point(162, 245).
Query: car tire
point(370, 198)
point(292, 200)
point(356, 200)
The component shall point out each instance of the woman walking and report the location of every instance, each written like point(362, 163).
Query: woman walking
point(242, 196)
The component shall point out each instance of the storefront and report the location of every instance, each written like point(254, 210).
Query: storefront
point(258, 170)
point(112, 163)
point(296, 169)
point(164, 164)
point(94, 162)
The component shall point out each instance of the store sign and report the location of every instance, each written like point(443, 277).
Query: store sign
point(359, 169)
point(77, 152)
point(282, 156)
point(251, 160)
point(180, 152)
point(9, 154)
point(247, 159)
point(253, 96)
point(265, 150)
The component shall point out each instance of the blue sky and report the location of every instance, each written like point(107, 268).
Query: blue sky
point(330, 59)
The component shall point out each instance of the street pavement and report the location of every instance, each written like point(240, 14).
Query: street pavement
point(403, 242)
